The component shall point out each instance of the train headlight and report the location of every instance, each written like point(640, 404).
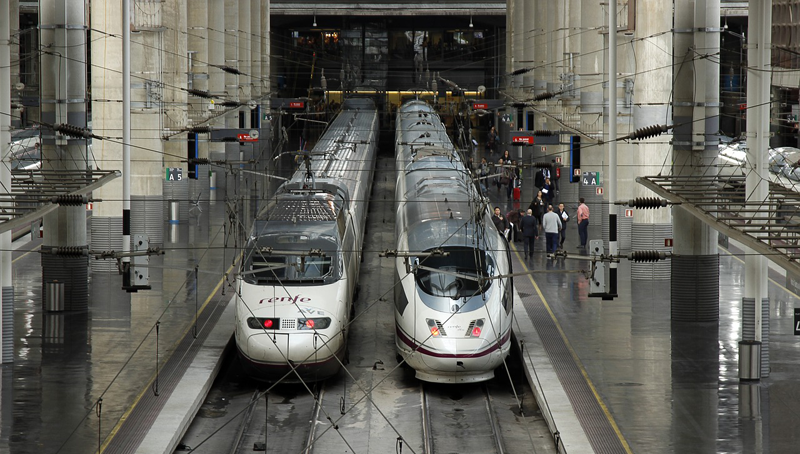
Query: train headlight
point(313, 323)
point(435, 327)
point(475, 328)
point(263, 323)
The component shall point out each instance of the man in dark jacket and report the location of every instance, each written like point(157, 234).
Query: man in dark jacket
point(530, 232)
point(500, 222)
point(513, 218)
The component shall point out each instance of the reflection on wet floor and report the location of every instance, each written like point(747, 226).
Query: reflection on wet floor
point(66, 361)
point(673, 387)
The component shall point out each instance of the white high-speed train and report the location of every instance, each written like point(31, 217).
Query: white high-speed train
point(452, 302)
point(301, 264)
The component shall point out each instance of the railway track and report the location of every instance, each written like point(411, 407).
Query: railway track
point(387, 418)
point(282, 420)
point(459, 418)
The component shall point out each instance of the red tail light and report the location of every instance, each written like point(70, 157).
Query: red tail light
point(434, 331)
point(476, 332)
point(268, 323)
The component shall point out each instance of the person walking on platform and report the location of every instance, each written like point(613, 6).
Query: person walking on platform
point(562, 213)
point(552, 225)
point(583, 222)
point(538, 207)
point(513, 217)
point(530, 233)
point(548, 191)
point(500, 222)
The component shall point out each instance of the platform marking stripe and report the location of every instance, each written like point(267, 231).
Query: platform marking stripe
point(25, 254)
point(148, 388)
point(771, 279)
point(577, 360)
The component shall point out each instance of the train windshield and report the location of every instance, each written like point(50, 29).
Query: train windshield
point(275, 260)
point(462, 274)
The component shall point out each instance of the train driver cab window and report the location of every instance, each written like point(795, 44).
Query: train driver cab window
point(267, 268)
point(311, 267)
point(458, 274)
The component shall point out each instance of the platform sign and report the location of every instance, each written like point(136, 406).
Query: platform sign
point(174, 174)
point(797, 321)
point(297, 104)
point(591, 179)
point(480, 105)
point(628, 213)
point(522, 139)
point(246, 138)
point(667, 242)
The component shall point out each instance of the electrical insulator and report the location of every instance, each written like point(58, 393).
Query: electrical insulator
point(69, 250)
point(646, 256)
point(70, 199)
point(230, 70)
point(543, 132)
point(230, 104)
point(72, 131)
point(521, 71)
point(648, 131)
point(200, 129)
point(542, 164)
point(198, 93)
point(544, 96)
point(518, 105)
point(199, 161)
point(647, 202)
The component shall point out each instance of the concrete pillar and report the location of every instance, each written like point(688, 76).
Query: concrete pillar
point(255, 50)
point(216, 77)
point(175, 113)
point(572, 50)
point(696, 120)
point(5, 179)
point(266, 66)
point(509, 63)
point(522, 26)
point(539, 36)
point(590, 78)
point(106, 220)
point(63, 100)
point(759, 43)
point(16, 98)
point(245, 55)
point(150, 95)
point(651, 96)
point(197, 45)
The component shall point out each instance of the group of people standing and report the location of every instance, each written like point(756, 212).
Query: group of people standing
point(542, 215)
point(526, 226)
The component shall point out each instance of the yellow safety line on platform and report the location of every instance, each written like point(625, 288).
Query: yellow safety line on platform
point(23, 255)
point(576, 358)
point(147, 388)
point(771, 280)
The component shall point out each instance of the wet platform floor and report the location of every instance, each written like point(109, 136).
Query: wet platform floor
point(668, 388)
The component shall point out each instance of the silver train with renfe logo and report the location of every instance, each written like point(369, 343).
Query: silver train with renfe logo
point(453, 299)
point(301, 263)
